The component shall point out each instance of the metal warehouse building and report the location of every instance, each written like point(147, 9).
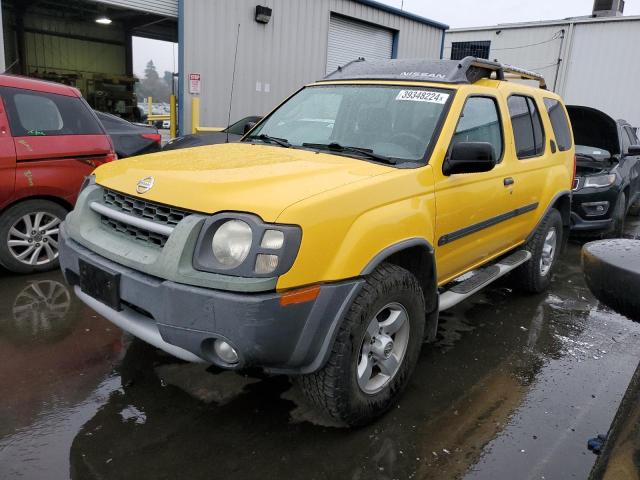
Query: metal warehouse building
point(282, 44)
point(64, 41)
point(301, 41)
point(592, 61)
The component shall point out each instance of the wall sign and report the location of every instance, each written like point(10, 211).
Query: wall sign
point(194, 83)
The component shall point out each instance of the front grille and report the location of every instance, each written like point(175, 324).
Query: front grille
point(155, 212)
point(137, 233)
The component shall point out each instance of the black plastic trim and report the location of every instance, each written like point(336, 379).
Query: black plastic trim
point(387, 252)
point(476, 227)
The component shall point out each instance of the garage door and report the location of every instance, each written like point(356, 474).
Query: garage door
point(349, 40)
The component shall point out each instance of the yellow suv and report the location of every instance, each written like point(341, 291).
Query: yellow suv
point(326, 242)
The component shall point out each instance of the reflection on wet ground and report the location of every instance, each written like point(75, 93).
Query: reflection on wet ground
point(513, 388)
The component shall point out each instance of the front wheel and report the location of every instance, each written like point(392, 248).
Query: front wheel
point(619, 216)
point(375, 351)
point(534, 276)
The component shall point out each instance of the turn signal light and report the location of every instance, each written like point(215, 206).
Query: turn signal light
point(302, 295)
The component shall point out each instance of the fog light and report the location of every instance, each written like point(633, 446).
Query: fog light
point(225, 351)
point(593, 209)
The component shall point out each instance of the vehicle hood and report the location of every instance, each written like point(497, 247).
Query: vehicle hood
point(260, 179)
point(594, 127)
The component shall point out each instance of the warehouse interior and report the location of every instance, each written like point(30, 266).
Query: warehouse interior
point(83, 43)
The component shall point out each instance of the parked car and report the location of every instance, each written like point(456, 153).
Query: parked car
point(232, 133)
point(130, 139)
point(607, 184)
point(314, 247)
point(50, 139)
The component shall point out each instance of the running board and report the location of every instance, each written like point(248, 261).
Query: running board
point(484, 277)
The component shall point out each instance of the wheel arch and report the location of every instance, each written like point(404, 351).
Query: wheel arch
point(51, 198)
point(418, 257)
point(561, 202)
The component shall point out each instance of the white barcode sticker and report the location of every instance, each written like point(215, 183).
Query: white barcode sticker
point(422, 96)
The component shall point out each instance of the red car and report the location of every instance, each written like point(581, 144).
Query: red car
point(50, 139)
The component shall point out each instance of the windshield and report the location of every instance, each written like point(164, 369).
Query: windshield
point(391, 121)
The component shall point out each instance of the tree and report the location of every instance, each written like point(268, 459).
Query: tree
point(152, 86)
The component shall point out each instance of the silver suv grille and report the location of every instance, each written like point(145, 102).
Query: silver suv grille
point(141, 208)
point(162, 216)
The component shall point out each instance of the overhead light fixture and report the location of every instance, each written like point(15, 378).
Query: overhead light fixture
point(103, 20)
point(263, 14)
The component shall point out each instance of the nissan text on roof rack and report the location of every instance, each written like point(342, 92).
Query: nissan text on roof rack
point(326, 242)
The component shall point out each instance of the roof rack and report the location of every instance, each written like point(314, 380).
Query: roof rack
point(467, 70)
point(511, 71)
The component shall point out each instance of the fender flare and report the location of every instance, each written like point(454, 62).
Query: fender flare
point(426, 274)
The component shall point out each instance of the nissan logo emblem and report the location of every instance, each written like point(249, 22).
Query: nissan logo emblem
point(144, 185)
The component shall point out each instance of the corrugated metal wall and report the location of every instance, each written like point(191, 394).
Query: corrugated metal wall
point(160, 7)
point(534, 48)
point(46, 48)
point(277, 58)
point(600, 67)
point(603, 70)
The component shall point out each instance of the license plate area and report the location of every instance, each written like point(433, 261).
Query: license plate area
point(100, 283)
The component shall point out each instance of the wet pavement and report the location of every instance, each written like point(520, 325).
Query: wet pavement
point(513, 388)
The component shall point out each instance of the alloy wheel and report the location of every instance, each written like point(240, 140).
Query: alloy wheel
point(33, 238)
point(383, 348)
point(548, 253)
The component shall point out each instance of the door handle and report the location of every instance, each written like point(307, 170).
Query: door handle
point(508, 181)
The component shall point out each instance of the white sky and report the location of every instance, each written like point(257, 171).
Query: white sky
point(474, 13)
point(455, 13)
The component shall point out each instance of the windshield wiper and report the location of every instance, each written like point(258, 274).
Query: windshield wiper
point(267, 138)
point(336, 147)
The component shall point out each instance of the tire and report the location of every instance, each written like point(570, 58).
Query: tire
point(619, 215)
point(17, 239)
point(612, 273)
point(533, 276)
point(389, 292)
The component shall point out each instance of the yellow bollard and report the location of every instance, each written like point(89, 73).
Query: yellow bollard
point(172, 116)
point(149, 109)
point(195, 114)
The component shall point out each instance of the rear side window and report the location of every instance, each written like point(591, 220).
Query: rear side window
point(45, 114)
point(559, 123)
point(480, 122)
point(527, 126)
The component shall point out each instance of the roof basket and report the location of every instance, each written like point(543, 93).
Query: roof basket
point(467, 70)
point(504, 71)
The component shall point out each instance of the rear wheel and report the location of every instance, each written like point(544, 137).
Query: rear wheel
point(29, 233)
point(375, 352)
point(534, 276)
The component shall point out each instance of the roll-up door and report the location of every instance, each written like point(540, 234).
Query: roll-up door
point(349, 39)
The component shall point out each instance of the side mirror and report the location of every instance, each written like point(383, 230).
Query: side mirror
point(248, 126)
point(469, 157)
point(634, 150)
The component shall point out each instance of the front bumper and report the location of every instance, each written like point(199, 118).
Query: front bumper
point(579, 224)
point(183, 319)
point(582, 219)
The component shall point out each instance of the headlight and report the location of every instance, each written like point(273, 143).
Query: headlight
point(599, 181)
point(231, 243)
point(242, 245)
